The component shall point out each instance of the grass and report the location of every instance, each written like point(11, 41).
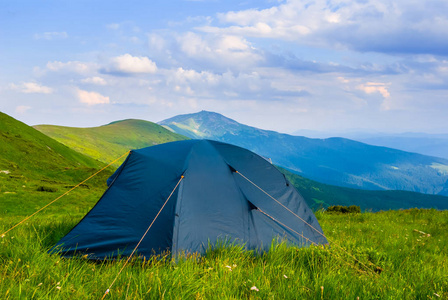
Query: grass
point(108, 142)
point(26, 151)
point(403, 255)
point(35, 168)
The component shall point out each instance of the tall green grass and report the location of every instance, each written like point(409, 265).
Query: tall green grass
point(401, 255)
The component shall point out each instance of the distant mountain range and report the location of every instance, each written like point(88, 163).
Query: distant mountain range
point(30, 159)
point(428, 145)
point(319, 195)
point(335, 161)
point(422, 143)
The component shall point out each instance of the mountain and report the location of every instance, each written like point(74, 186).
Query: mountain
point(110, 141)
point(427, 145)
point(423, 143)
point(319, 195)
point(335, 161)
point(32, 165)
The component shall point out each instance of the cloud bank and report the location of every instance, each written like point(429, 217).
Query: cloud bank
point(282, 65)
point(381, 26)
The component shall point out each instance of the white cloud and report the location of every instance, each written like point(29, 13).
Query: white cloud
point(92, 98)
point(199, 51)
point(264, 86)
point(232, 43)
point(220, 51)
point(290, 21)
point(70, 66)
point(191, 82)
point(261, 29)
point(132, 64)
point(192, 44)
point(402, 26)
point(50, 35)
point(94, 80)
point(21, 109)
point(375, 87)
point(31, 88)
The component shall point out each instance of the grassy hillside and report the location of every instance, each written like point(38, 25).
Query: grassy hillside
point(319, 195)
point(35, 169)
point(335, 161)
point(401, 255)
point(390, 246)
point(26, 150)
point(110, 141)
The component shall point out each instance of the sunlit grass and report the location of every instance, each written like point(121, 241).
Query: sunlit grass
point(402, 255)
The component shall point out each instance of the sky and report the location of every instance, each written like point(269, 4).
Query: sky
point(326, 65)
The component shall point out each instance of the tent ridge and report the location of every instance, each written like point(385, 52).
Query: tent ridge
point(212, 201)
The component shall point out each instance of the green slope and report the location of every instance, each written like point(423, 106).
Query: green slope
point(35, 169)
point(26, 151)
point(110, 141)
point(31, 161)
point(335, 161)
point(319, 195)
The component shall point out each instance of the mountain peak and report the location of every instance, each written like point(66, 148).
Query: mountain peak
point(203, 124)
point(336, 161)
point(203, 115)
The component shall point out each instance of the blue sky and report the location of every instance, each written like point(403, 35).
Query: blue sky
point(329, 65)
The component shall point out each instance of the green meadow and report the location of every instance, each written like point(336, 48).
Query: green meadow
point(385, 255)
point(393, 254)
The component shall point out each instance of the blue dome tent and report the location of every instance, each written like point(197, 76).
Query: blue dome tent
point(186, 195)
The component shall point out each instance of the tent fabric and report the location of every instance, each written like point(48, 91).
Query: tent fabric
point(211, 203)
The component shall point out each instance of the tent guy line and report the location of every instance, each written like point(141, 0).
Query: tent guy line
point(211, 194)
point(275, 220)
point(280, 204)
point(182, 176)
point(66, 193)
point(338, 257)
point(146, 232)
point(194, 160)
